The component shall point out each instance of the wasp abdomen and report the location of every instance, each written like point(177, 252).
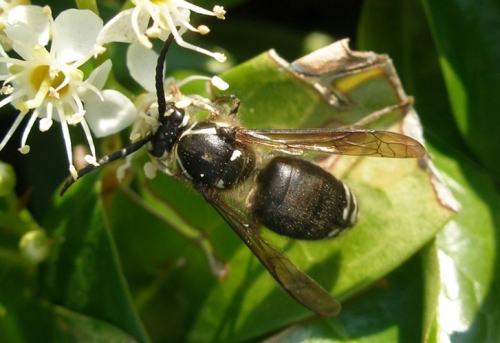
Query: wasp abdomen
point(298, 199)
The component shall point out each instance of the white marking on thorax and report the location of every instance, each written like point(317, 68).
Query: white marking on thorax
point(235, 155)
point(205, 131)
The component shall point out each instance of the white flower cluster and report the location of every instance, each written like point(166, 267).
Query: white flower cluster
point(41, 60)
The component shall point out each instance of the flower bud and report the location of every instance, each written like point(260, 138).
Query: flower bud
point(7, 179)
point(34, 245)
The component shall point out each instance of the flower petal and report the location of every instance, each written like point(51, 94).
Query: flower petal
point(29, 34)
point(113, 114)
point(34, 19)
point(119, 28)
point(139, 63)
point(75, 33)
point(99, 75)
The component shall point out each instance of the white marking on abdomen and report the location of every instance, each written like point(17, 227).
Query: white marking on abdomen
point(345, 213)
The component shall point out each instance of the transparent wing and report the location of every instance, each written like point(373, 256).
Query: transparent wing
point(300, 286)
point(340, 142)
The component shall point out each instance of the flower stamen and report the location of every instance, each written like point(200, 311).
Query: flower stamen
point(27, 130)
point(12, 129)
point(157, 19)
point(217, 55)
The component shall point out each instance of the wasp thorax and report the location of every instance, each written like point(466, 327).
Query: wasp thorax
point(205, 156)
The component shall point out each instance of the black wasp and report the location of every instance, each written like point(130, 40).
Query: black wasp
point(289, 195)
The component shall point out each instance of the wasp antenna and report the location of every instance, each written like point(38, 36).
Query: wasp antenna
point(160, 91)
point(105, 160)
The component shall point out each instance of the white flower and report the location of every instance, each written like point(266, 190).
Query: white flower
point(50, 84)
point(139, 61)
point(109, 111)
point(6, 6)
point(138, 58)
point(167, 16)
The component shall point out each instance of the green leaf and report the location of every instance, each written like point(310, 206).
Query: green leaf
point(466, 35)
point(59, 324)
point(416, 61)
point(168, 273)
point(431, 287)
point(82, 273)
point(88, 5)
point(469, 274)
point(389, 311)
